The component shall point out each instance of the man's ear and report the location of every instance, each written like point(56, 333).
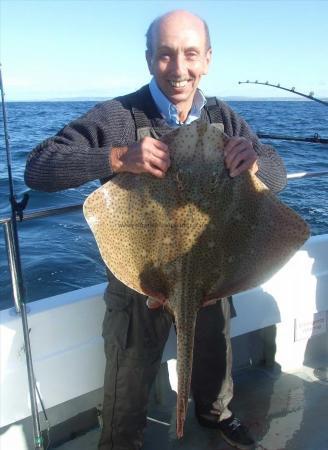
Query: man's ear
point(149, 61)
point(208, 59)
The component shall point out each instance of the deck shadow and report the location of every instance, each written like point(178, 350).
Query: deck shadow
point(282, 411)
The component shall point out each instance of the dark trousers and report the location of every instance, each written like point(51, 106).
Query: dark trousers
point(134, 338)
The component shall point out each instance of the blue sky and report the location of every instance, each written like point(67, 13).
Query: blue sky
point(69, 48)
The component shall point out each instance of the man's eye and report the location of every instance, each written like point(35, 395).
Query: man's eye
point(192, 55)
point(164, 56)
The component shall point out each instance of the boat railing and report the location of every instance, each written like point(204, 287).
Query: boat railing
point(40, 213)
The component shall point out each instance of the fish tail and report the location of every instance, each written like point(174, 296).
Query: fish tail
point(181, 415)
point(185, 341)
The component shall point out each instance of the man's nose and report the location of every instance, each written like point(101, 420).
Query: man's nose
point(179, 65)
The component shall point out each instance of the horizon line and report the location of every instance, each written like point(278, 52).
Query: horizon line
point(104, 98)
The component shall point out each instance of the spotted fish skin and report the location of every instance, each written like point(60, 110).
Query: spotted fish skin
point(194, 236)
point(184, 303)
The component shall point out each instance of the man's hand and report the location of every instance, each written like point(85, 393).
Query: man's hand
point(240, 156)
point(147, 156)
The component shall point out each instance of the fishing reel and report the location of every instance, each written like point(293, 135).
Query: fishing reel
point(19, 206)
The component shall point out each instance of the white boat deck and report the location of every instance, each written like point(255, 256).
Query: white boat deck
point(283, 411)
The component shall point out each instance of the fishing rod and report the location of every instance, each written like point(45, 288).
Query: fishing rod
point(12, 241)
point(315, 139)
point(292, 90)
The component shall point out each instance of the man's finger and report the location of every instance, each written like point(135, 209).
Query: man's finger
point(158, 153)
point(233, 153)
point(245, 165)
point(160, 163)
point(153, 303)
point(154, 171)
point(160, 145)
point(244, 155)
point(230, 143)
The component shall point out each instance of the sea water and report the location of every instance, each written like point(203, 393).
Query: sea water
point(59, 253)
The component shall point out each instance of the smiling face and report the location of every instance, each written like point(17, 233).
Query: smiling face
point(179, 57)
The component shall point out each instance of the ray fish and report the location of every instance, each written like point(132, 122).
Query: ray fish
point(193, 237)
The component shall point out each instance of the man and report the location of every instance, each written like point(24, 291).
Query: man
point(122, 135)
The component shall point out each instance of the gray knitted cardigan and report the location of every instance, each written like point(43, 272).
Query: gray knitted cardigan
point(80, 152)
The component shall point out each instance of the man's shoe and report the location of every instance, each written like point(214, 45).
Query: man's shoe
point(235, 433)
point(231, 430)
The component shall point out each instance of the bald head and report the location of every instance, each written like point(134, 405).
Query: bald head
point(181, 17)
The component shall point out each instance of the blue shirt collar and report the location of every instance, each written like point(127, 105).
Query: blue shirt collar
point(169, 111)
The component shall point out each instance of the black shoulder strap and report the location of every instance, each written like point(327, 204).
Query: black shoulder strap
point(143, 108)
point(140, 118)
point(213, 110)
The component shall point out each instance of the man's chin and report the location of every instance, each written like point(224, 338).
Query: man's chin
point(180, 97)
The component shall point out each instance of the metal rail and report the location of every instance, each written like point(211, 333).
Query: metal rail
point(12, 242)
point(40, 213)
point(299, 175)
